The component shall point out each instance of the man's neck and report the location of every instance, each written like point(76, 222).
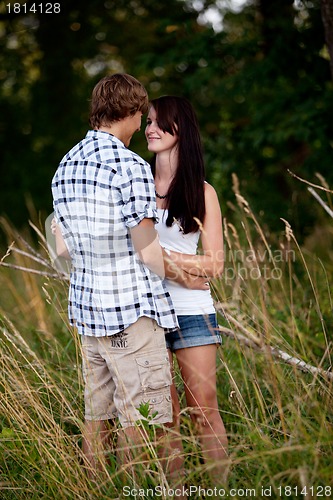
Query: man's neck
point(106, 129)
point(117, 129)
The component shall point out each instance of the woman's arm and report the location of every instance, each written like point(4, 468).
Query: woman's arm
point(61, 248)
point(211, 262)
point(152, 255)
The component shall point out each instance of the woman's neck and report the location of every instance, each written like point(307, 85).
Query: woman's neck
point(166, 166)
point(165, 170)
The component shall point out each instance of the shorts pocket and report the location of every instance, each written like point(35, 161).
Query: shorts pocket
point(154, 371)
point(160, 405)
point(155, 399)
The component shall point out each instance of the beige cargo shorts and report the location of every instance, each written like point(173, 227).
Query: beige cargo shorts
point(124, 370)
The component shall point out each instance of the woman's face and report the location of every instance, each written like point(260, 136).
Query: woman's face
point(158, 141)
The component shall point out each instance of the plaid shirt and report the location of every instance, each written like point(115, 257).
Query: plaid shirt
point(100, 190)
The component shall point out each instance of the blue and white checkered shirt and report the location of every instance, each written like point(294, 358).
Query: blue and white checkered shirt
point(100, 190)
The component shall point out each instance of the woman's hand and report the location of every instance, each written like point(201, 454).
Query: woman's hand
point(61, 247)
point(53, 226)
point(196, 282)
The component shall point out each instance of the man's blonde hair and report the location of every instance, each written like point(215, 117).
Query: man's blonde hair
point(114, 98)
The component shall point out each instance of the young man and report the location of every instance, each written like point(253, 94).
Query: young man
point(104, 203)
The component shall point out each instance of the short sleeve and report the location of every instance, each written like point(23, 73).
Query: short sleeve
point(138, 194)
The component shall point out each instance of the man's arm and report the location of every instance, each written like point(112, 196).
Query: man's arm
point(146, 243)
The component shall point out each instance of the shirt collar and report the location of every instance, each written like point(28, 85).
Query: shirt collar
point(100, 134)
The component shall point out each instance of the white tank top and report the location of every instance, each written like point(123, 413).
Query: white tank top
point(185, 301)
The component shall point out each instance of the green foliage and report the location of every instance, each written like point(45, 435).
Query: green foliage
point(275, 100)
point(145, 411)
point(261, 87)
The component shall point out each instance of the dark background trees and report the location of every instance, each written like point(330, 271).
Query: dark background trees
point(262, 88)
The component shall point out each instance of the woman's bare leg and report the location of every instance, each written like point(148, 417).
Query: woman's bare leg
point(198, 370)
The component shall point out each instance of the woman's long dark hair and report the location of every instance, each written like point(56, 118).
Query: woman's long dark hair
point(185, 198)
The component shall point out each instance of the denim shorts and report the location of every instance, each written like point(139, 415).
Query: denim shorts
point(194, 331)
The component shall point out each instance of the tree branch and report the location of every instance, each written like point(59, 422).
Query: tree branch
point(277, 353)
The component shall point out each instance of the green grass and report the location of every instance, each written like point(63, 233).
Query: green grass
point(279, 418)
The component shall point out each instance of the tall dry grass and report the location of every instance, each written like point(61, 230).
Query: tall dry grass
point(274, 378)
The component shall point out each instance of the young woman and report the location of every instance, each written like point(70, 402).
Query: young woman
point(189, 214)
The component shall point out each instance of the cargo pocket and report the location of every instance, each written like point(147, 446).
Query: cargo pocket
point(160, 406)
point(155, 400)
point(154, 371)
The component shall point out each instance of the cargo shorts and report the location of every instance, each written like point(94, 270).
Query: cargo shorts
point(124, 370)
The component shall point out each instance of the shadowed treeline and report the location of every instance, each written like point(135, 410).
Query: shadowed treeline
point(262, 89)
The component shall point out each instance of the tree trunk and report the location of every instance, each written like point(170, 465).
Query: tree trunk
point(327, 17)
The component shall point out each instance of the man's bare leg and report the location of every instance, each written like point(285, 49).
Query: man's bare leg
point(97, 441)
